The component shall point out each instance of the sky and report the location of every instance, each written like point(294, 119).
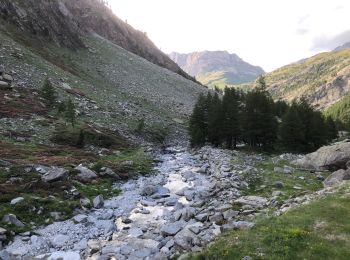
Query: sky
point(267, 33)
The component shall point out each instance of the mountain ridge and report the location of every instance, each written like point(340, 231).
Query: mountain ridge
point(217, 68)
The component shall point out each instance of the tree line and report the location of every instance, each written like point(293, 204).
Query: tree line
point(255, 119)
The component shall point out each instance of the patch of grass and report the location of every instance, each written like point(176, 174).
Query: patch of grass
point(319, 230)
point(103, 187)
point(262, 183)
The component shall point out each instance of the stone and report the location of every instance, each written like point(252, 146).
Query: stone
point(147, 203)
point(4, 84)
point(184, 240)
point(7, 77)
point(230, 214)
point(332, 157)
point(16, 200)
point(188, 213)
point(81, 218)
point(336, 178)
point(55, 174)
point(98, 202)
point(105, 225)
point(202, 217)
point(278, 184)
point(12, 219)
point(60, 255)
point(171, 202)
point(171, 229)
point(59, 240)
point(85, 202)
point(203, 169)
point(86, 175)
point(126, 220)
point(254, 201)
point(135, 232)
point(148, 190)
point(216, 218)
point(81, 245)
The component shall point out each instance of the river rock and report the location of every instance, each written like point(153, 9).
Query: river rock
point(12, 219)
point(98, 202)
point(59, 241)
point(171, 229)
point(60, 255)
point(81, 218)
point(55, 174)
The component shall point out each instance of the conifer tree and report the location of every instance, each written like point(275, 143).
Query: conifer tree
point(317, 132)
point(215, 120)
point(259, 124)
point(70, 112)
point(291, 131)
point(48, 93)
point(231, 126)
point(332, 131)
point(198, 122)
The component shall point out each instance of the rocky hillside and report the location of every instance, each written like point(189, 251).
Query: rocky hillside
point(110, 86)
point(342, 47)
point(218, 68)
point(323, 79)
point(67, 22)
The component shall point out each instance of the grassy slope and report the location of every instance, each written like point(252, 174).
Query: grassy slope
point(341, 110)
point(307, 76)
point(222, 79)
point(319, 230)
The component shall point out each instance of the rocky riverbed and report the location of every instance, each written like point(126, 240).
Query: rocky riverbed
point(191, 198)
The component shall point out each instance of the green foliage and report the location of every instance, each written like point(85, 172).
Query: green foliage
point(198, 123)
point(48, 93)
point(85, 135)
point(69, 114)
point(340, 112)
point(258, 121)
point(302, 129)
point(252, 118)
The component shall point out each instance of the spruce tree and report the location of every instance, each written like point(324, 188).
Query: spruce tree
point(215, 120)
point(48, 93)
point(70, 112)
point(291, 132)
point(231, 129)
point(331, 126)
point(259, 125)
point(198, 123)
point(317, 132)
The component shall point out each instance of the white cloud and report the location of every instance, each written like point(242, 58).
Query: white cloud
point(268, 33)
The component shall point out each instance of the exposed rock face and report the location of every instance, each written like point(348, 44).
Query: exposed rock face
point(65, 22)
point(327, 158)
point(337, 177)
point(207, 62)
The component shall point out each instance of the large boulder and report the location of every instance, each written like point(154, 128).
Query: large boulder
point(86, 175)
point(331, 157)
point(55, 174)
point(337, 177)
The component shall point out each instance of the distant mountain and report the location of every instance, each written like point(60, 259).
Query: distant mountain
point(218, 68)
point(323, 79)
point(342, 47)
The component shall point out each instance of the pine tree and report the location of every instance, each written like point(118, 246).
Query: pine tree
point(332, 131)
point(48, 93)
point(70, 112)
point(199, 122)
point(281, 107)
point(259, 125)
point(317, 132)
point(215, 120)
point(291, 132)
point(231, 130)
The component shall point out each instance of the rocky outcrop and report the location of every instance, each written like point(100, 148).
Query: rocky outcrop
point(337, 177)
point(331, 157)
point(66, 22)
